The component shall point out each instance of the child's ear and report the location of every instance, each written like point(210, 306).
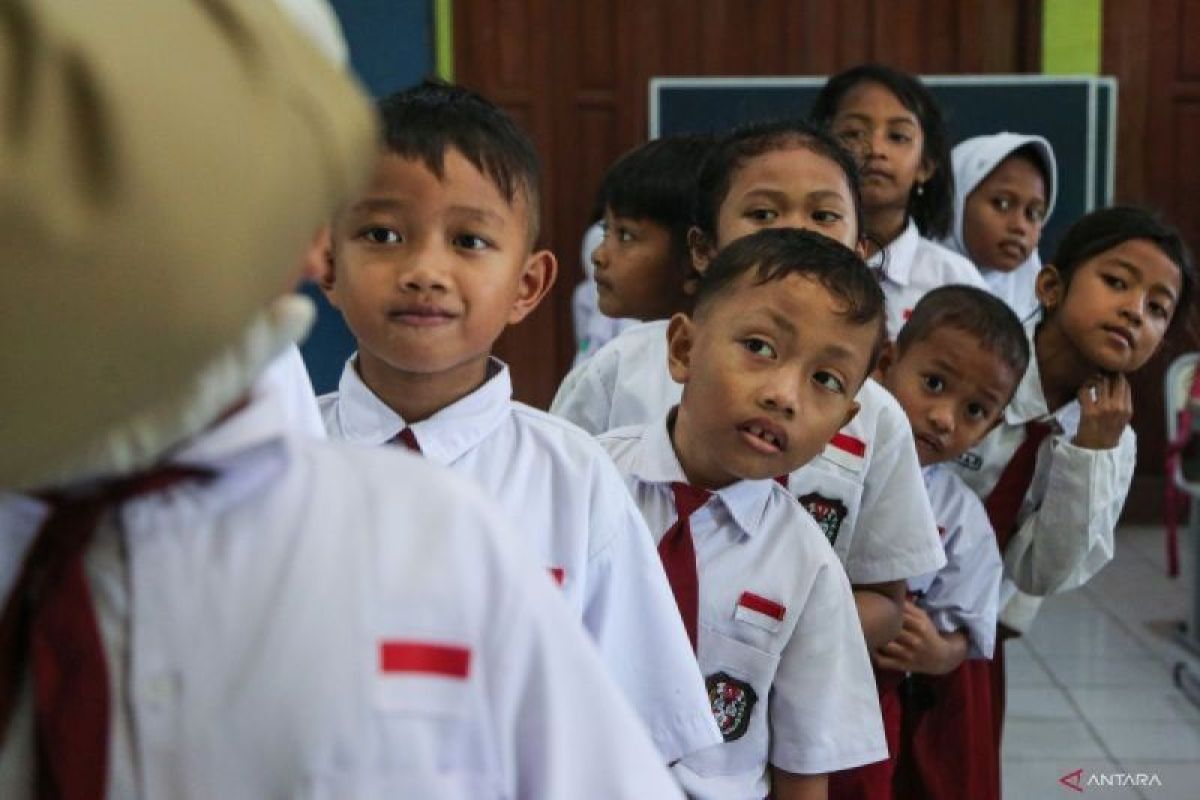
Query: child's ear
point(887, 358)
point(537, 276)
point(681, 338)
point(851, 413)
point(926, 169)
point(701, 248)
point(319, 263)
point(1049, 287)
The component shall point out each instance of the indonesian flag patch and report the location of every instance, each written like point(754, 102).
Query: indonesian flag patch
point(759, 611)
point(408, 657)
point(846, 451)
point(732, 703)
point(829, 513)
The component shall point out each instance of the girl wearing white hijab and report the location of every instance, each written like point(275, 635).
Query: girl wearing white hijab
point(1006, 185)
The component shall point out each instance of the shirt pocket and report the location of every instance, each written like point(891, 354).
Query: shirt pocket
point(426, 738)
point(738, 678)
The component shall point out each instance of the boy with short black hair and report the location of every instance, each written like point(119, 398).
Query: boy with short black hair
point(429, 266)
point(953, 368)
point(785, 330)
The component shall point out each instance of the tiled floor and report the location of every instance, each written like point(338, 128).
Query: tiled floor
point(1091, 687)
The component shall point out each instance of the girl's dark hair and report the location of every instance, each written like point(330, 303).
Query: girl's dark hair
point(1109, 227)
point(424, 121)
point(656, 181)
point(933, 208)
point(774, 253)
point(744, 143)
point(972, 311)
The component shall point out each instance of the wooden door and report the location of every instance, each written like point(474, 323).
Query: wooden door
point(1153, 47)
point(576, 74)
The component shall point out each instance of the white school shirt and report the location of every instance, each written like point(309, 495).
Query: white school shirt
point(1069, 515)
point(570, 506)
point(296, 392)
point(912, 266)
point(272, 617)
point(778, 636)
point(964, 594)
point(865, 488)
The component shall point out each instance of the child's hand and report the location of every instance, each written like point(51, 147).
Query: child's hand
point(1106, 405)
point(920, 647)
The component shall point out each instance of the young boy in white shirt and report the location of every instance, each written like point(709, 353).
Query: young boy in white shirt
point(428, 267)
point(865, 488)
point(200, 600)
point(786, 327)
point(953, 368)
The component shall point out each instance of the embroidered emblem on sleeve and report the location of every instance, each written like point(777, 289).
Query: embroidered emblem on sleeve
point(828, 512)
point(732, 703)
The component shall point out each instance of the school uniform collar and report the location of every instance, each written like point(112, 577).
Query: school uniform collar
point(897, 258)
point(1029, 402)
point(655, 462)
point(445, 436)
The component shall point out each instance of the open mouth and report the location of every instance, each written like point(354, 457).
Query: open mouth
point(1014, 250)
point(764, 437)
point(931, 443)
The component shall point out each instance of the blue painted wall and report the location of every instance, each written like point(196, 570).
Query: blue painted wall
point(391, 46)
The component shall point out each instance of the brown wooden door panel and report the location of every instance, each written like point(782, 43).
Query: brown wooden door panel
point(576, 74)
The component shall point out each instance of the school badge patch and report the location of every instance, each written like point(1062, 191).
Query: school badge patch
point(828, 512)
point(969, 460)
point(732, 703)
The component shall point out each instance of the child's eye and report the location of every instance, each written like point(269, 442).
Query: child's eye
point(1001, 204)
point(1159, 310)
point(827, 217)
point(469, 241)
point(976, 412)
point(379, 235)
point(759, 347)
point(934, 383)
point(624, 234)
point(829, 381)
point(900, 137)
point(1114, 281)
point(850, 134)
point(765, 215)
point(1036, 215)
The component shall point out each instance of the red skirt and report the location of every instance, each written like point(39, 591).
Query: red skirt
point(874, 781)
point(948, 749)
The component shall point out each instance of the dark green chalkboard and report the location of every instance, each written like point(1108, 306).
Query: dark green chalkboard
point(1076, 114)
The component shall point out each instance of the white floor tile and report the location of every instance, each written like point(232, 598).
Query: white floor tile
point(1057, 740)
point(1022, 669)
point(1157, 704)
point(1102, 669)
point(1179, 781)
point(1150, 741)
point(1037, 702)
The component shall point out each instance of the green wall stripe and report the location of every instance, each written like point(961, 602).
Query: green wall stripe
point(1071, 37)
point(443, 35)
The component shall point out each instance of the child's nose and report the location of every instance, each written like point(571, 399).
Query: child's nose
point(941, 417)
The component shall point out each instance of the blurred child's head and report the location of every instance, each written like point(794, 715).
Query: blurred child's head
point(1120, 280)
point(648, 195)
point(1006, 184)
point(431, 263)
point(954, 367)
point(894, 126)
point(782, 174)
point(786, 326)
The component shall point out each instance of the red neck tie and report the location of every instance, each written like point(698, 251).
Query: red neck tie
point(678, 555)
point(49, 623)
point(1005, 499)
point(407, 438)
